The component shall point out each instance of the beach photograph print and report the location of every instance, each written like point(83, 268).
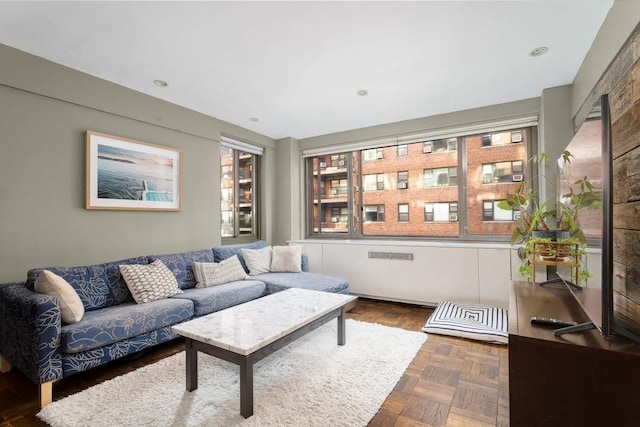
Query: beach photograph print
point(131, 175)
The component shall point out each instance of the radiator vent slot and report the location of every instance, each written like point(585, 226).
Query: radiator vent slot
point(403, 256)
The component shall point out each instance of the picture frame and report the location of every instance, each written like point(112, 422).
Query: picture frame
point(125, 174)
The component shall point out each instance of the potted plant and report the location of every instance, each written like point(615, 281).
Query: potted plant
point(555, 222)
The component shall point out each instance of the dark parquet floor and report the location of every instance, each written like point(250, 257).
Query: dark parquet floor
point(451, 381)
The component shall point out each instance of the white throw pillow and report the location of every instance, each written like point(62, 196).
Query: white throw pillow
point(287, 258)
point(71, 308)
point(150, 282)
point(258, 260)
point(216, 273)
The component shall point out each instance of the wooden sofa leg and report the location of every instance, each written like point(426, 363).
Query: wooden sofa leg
point(46, 394)
point(4, 365)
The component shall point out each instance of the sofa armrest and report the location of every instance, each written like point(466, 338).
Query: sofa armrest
point(30, 332)
point(305, 262)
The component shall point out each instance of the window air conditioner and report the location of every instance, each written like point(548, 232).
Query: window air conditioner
point(453, 217)
point(341, 163)
point(517, 178)
point(334, 191)
point(380, 155)
point(516, 137)
point(323, 164)
point(334, 219)
point(402, 185)
point(427, 148)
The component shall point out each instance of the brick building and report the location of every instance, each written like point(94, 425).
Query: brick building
point(414, 189)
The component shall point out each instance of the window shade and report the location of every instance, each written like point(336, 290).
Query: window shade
point(240, 145)
point(450, 132)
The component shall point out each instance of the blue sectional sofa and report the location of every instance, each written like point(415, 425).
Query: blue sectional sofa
point(34, 339)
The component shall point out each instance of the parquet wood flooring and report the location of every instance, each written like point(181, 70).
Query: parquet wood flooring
point(451, 382)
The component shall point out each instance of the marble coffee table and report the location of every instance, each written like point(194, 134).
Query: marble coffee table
point(247, 333)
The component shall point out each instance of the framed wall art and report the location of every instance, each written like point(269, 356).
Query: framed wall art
point(124, 174)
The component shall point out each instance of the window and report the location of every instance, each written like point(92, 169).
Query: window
point(373, 154)
point(338, 187)
point(402, 150)
point(373, 182)
point(440, 145)
point(450, 188)
point(338, 160)
point(491, 212)
point(403, 212)
point(374, 213)
point(403, 180)
point(238, 194)
point(439, 212)
point(493, 173)
point(440, 177)
point(502, 138)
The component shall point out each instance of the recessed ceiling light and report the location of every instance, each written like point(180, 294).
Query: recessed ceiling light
point(362, 92)
point(160, 83)
point(539, 51)
point(253, 119)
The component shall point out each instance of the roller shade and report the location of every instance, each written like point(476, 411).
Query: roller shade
point(240, 145)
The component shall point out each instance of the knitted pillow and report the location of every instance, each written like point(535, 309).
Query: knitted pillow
point(150, 282)
point(211, 273)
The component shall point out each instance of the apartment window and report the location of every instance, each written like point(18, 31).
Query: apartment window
point(502, 138)
point(338, 187)
point(492, 212)
point(339, 214)
point(403, 212)
point(449, 186)
point(373, 182)
point(338, 160)
point(239, 203)
point(373, 154)
point(374, 213)
point(441, 211)
point(440, 145)
point(403, 150)
point(441, 177)
point(403, 180)
point(493, 173)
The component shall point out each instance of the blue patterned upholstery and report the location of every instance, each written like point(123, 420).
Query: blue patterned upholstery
point(223, 252)
point(34, 341)
point(219, 297)
point(78, 362)
point(102, 327)
point(98, 286)
point(277, 282)
point(181, 265)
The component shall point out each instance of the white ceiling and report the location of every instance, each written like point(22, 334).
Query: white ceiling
point(297, 65)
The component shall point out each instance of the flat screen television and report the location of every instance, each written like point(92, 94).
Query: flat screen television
point(615, 309)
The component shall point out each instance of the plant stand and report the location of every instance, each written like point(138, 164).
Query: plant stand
point(557, 254)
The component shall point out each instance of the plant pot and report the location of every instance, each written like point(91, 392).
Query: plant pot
point(551, 234)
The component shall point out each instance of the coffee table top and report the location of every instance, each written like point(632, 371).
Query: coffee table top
point(253, 325)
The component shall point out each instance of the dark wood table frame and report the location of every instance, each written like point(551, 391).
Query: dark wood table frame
point(246, 362)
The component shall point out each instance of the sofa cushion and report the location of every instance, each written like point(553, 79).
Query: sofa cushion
point(181, 265)
point(217, 273)
point(108, 325)
point(71, 308)
point(258, 260)
point(98, 286)
point(150, 282)
point(277, 282)
point(223, 252)
point(286, 259)
point(215, 298)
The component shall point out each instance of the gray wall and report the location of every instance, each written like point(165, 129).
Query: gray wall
point(45, 110)
point(623, 17)
point(290, 211)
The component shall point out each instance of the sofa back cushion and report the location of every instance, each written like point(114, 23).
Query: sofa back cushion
point(98, 286)
point(223, 252)
point(181, 265)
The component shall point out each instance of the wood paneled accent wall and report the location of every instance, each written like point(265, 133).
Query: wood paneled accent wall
point(625, 136)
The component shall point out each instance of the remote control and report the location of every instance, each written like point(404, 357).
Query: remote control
point(548, 321)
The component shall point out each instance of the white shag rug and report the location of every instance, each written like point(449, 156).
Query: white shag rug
point(311, 382)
